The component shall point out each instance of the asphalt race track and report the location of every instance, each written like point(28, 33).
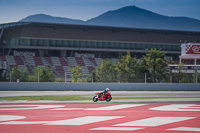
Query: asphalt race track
point(102, 117)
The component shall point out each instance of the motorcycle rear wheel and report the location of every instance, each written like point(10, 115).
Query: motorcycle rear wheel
point(95, 99)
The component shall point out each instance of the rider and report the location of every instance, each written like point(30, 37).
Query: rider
point(104, 91)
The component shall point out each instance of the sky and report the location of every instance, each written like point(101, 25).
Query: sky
point(15, 10)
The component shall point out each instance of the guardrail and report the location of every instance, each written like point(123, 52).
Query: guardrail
point(33, 86)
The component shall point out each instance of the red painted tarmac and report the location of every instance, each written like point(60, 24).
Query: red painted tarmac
point(98, 118)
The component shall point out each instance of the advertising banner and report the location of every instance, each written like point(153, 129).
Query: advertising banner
point(190, 49)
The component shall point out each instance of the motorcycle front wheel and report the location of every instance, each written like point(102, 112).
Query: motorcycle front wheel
point(108, 99)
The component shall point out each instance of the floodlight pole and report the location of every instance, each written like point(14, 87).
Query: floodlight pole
point(145, 76)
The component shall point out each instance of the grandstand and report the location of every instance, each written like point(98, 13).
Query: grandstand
point(62, 46)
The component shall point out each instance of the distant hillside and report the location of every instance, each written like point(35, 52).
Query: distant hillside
point(50, 19)
point(130, 16)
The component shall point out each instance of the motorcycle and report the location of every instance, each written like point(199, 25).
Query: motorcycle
point(102, 97)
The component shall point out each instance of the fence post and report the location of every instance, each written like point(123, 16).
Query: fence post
point(65, 77)
point(196, 76)
point(92, 76)
point(10, 76)
point(38, 76)
point(170, 77)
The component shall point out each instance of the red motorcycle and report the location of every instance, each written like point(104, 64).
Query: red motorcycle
point(102, 97)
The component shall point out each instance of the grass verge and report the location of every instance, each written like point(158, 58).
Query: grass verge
point(78, 98)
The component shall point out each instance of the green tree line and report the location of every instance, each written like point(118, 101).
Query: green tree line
point(153, 67)
point(129, 69)
point(41, 74)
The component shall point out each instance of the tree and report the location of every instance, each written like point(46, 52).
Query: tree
point(126, 68)
point(24, 75)
point(196, 77)
point(92, 77)
point(106, 72)
point(155, 63)
point(77, 74)
point(45, 75)
point(17, 73)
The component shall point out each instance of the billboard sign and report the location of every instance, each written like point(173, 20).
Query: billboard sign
point(190, 49)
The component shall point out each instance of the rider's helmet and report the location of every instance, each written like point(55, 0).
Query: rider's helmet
point(107, 89)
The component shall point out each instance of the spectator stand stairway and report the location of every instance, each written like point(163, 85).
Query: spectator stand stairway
point(90, 65)
point(67, 67)
point(47, 60)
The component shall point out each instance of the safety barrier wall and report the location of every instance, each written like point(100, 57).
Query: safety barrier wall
point(31, 86)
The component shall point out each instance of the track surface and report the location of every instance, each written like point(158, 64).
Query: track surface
point(98, 118)
point(114, 93)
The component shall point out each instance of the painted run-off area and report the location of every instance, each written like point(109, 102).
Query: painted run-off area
point(84, 118)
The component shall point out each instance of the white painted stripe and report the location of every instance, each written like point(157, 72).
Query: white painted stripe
point(24, 122)
point(16, 107)
point(178, 107)
point(195, 129)
point(154, 121)
point(69, 109)
point(10, 117)
point(114, 107)
point(75, 121)
point(83, 120)
point(117, 128)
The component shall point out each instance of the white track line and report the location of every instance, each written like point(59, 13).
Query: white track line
point(74, 121)
point(154, 121)
point(178, 107)
point(23, 122)
point(117, 128)
point(83, 120)
point(185, 129)
point(114, 107)
point(24, 107)
point(10, 117)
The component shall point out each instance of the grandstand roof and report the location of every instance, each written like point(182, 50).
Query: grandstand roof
point(34, 35)
point(56, 25)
